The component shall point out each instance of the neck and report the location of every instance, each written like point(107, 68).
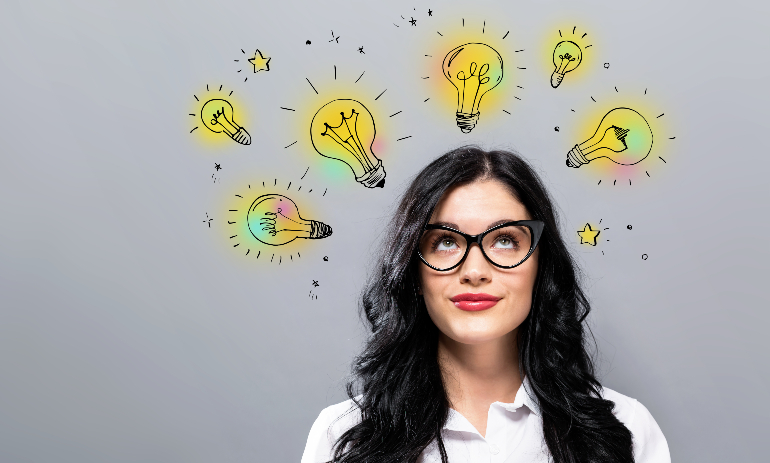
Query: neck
point(480, 374)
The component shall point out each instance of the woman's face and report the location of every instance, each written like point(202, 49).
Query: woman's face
point(473, 209)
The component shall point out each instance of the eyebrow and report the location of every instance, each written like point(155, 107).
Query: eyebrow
point(456, 227)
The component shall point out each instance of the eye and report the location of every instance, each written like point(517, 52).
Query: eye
point(445, 243)
point(505, 242)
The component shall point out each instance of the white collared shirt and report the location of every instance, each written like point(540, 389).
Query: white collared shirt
point(514, 433)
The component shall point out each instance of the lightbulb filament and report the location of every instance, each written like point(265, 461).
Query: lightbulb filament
point(268, 223)
point(565, 60)
point(349, 141)
point(621, 134)
point(482, 80)
point(219, 118)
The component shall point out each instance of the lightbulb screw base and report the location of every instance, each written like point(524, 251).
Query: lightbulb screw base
point(467, 121)
point(375, 178)
point(576, 158)
point(556, 79)
point(319, 230)
point(242, 136)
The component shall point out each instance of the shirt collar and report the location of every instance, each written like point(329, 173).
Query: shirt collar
point(524, 396)
point(457, 422)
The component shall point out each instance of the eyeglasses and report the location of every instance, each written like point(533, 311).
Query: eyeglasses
point(506, 245)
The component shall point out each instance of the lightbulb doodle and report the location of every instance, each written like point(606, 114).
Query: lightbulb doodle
point(567, 56)
point(342, 140)
point(475, 64)
point(263, 222)
point(617, 135)
point(257, 63)
point(474, 69)
point(275, 220)
point(623, 136)
point(217, 115)
point(345, 130)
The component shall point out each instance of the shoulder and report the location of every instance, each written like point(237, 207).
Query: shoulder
point(650, 445)
point(331, 423)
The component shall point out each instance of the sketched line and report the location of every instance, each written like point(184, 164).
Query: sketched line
point(287, 109)
point(311, 84)
point(378, 96)
point(303, 175)
point(395, 114)
point(404, 138)
point(290, 145)
point(359, 77)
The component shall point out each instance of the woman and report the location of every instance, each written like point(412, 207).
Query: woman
point(477, 349)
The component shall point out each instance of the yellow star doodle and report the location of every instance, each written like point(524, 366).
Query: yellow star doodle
point(260, 62)
point(588, 236)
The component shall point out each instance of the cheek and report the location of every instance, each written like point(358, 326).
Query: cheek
point(432, 290)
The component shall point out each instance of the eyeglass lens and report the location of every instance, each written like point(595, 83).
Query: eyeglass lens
point(506, 246)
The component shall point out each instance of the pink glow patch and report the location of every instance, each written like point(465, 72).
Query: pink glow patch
point(378, 147)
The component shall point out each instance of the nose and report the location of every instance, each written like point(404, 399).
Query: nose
point(475, 269)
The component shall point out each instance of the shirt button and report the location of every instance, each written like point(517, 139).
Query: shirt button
point(493, 449)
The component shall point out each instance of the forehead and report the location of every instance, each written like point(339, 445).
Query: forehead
point(473, 207)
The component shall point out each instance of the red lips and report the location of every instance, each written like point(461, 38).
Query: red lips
point(473, 302)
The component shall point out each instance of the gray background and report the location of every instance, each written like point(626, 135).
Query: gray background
point(130, 331)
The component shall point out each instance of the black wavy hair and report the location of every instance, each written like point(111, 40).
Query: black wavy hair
point(403, 402)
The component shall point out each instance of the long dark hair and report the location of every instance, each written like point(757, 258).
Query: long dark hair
point(403, 402)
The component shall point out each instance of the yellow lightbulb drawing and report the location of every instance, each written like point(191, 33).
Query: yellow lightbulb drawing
point(217, 116)
point(274, 219)
point(474, 69)
point(623, 136)
point(567, 56)
point(344, 130)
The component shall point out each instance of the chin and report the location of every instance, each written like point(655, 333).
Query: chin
point(475, 337)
